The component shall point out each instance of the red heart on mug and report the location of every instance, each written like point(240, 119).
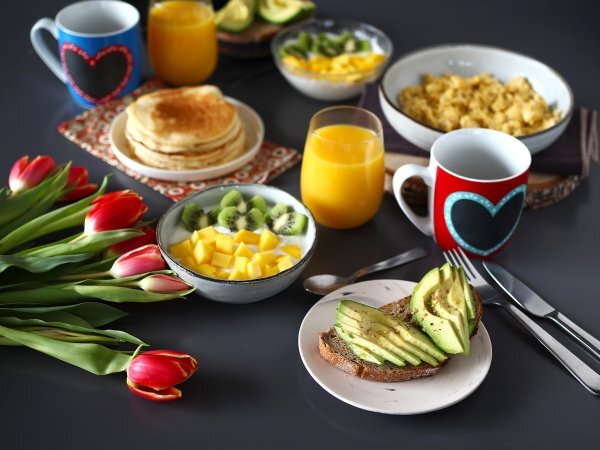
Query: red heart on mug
point(99, 78)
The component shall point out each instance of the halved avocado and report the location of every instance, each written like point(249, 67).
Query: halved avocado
point(284, 11)
point(439, 330)
point(236, 16)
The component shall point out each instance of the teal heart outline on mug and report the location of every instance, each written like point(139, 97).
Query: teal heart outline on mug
point(491, 209)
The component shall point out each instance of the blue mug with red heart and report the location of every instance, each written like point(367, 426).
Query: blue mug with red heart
point(100, 49)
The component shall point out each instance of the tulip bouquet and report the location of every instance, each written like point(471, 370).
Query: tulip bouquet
point(50, 289)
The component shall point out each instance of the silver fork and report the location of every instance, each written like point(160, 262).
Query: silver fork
point(580, 370)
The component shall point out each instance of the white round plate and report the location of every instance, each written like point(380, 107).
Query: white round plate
point(255, 131)
point(454, 382)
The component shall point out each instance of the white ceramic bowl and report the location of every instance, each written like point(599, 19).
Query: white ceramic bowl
point(170, 231)
point(255, 131)
point(469, 60)
point(331, 87)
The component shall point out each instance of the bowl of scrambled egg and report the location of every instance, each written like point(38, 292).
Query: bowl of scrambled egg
point(331, 60)
point(438, 89)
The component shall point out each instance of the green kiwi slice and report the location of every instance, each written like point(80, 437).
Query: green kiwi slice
point(275, 212)
point(290, 224)
point(236, 199)
point(232, 219)
point(194, 218)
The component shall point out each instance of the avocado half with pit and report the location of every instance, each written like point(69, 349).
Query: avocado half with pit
point(284, 11)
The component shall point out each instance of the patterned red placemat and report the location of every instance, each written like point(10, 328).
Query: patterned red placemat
point(90, 131)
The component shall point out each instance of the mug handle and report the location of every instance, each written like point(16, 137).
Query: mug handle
point(42, 49)
point(402, 174)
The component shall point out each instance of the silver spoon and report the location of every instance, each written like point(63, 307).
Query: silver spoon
point(324, 284)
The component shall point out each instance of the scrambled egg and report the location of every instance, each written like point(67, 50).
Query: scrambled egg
point(449, 102)
point(345, 67)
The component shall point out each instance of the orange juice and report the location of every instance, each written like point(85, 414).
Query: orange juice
point(342, 175)
point(182, 41)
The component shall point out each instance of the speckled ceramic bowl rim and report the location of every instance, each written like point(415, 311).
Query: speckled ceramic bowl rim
point(190, 272)
point(565, 118)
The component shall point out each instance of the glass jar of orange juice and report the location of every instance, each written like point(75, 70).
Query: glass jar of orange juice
point(182, 40)
point(343, 170)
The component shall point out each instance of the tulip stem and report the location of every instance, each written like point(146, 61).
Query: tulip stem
point(85, 276)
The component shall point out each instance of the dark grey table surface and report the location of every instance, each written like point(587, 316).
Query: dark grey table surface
point(251, 390)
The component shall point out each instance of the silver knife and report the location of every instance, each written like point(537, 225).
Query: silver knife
point(537, 306)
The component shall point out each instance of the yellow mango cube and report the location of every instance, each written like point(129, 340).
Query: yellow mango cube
point(224, 244)
point(268, 241)
point(240, 264)
point(285, 263)
point(207, 234)
point(247, 237)
point(270, 270)
point(203, 252)
point(189, 262)
point(181, 249)
point(253, 269)
point(243, 250)
point(207, 270)
point(265, 257)
point(222, 274)
point(293, 250)
point(221, 259)
point(194, 238)
point(237, 275)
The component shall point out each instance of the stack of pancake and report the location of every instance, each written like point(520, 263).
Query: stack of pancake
point(185, 129)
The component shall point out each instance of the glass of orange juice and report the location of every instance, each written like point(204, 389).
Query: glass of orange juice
point(343, 167)
point(182, 40)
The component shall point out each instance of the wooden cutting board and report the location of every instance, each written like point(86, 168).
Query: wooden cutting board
point(542, 189)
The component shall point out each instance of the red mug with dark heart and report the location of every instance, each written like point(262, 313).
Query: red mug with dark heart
point(100, 48)
point(478, 181)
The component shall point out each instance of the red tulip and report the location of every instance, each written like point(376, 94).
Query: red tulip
point(25, 175)
point(162, 284)
point(140, 260)
point(121, 209)
point(149, 237)
point(153, 374)
point(77, 185)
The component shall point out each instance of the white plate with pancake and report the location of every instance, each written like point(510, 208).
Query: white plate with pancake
point(454, 382)
point(250, 119)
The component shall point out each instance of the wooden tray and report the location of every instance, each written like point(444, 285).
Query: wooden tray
point(542, 190)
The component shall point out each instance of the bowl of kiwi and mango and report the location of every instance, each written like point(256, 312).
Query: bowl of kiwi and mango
point(238, 243)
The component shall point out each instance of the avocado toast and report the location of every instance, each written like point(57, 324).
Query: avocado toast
point(374, 344)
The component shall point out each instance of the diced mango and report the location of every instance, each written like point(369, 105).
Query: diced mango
point(293, 250)
point(253, 269)
point(247, 237)
point(181, 249)
point(285, 263)
point(207, 234)
point(268, 241)
point(222, 274)
point(194, 238)
point(243, 250)
point(237, 275)
point(203, 252)
point(221, 259)
point(265, 257)
point(207, 270)
point(189, 262)
point(240, 264)
point(224, 244)
point(270, 270)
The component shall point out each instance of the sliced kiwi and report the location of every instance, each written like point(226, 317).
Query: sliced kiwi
point(232, 219)
point(275, 212)
point(290, 223)
point(194, 218)
point(236, 199)
point(259, 203)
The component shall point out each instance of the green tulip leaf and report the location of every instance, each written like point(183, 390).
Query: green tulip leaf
point(94, 358)
point(93, 313)
point(39, 264)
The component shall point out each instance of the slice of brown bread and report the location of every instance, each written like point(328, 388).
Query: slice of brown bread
point(335, 351)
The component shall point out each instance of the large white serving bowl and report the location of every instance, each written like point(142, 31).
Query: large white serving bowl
point(170, 231)
point(469, 60)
